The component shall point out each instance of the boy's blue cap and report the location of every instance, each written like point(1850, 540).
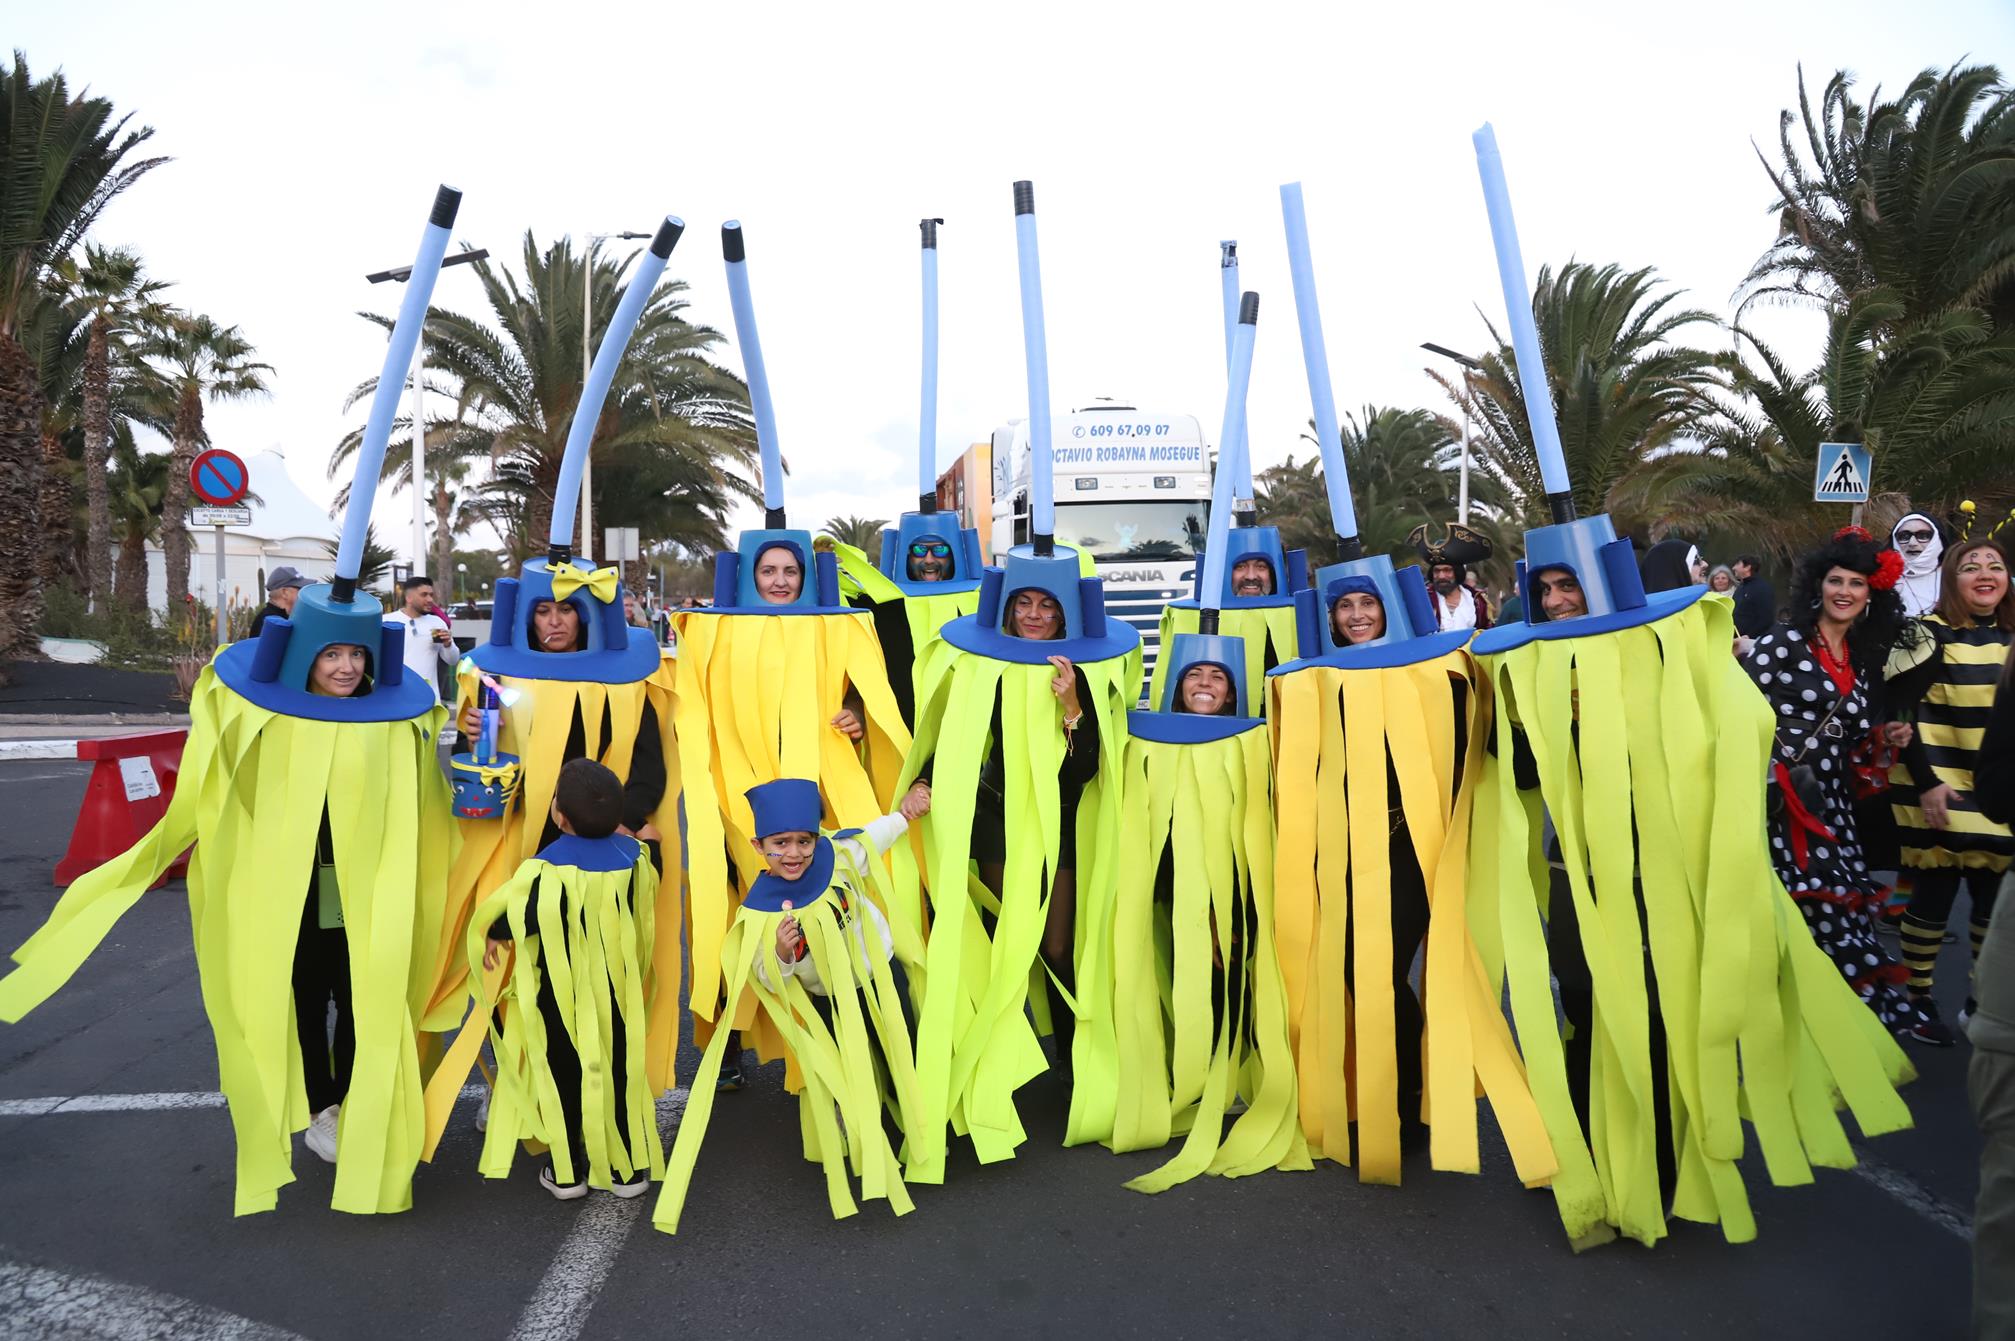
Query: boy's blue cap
point(786, 805)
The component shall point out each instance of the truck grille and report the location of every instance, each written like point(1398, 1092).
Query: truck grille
point(1142, 609)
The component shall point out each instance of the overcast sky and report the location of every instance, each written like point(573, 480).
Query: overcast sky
point(307, 147)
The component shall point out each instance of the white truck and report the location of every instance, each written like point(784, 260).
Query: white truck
point(1132, 488)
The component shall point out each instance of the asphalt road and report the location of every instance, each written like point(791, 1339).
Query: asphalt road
point(117, 1219)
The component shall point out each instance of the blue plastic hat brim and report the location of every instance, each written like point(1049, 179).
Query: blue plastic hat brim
point(404, 701)
point(638, 661)
point(1659, 604)
point(1186, 728)
point(1382, 656)
point(968, 634)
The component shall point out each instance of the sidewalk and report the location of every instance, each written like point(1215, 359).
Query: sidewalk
point(55, 736)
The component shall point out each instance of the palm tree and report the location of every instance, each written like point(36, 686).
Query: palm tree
point(863, 533)
point(136, 485)
point(62, 160)
point(54, 339)
point(673, 419)
point(110, 291)
point(1623, 394)
point(376, 565)
point(199, 361)
point(1910, 195)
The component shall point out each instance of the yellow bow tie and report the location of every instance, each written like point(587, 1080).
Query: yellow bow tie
point(601, 583)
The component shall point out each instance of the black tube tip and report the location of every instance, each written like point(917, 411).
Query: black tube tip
point(446, 201)
point(927, 504)
point(930, 230)
point(668, 236)
point(731, 241)
point(1562, 508)
point(1348, 547)
point(1206, 622)
point(1044, 543)
point(1248, 308)
point(343, 589)
point(1227, 254)
point(1024, 197)
point(558, 556)
point(773, 519)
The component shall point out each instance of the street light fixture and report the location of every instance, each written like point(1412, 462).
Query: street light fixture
point(587, 368)
point(401, 274)
point(1470, 367)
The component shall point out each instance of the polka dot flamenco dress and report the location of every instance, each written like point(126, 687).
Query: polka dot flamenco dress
point(1825, 872)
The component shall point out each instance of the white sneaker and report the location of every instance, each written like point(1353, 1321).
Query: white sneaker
point(560, 1190)
point(321, 1134)
point(636, 1187)
point(483, 1112)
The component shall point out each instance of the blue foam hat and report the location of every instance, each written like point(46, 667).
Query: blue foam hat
point(1290, 569)
point(785, 805)
point(1410, 631)
point(614, 653)
point(1168, 726)
point(1088, 634)
point(272, 670)
point(1606, 568)
point(916, 527)
point(735, 576)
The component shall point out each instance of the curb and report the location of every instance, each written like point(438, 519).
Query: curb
point(38, 749)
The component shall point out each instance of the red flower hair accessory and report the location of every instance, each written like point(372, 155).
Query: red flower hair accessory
point(1888, 569)
point(1853, 533)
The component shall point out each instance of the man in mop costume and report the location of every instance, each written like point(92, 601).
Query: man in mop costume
point(577, 682)
point(1200, 1015)
point(930, 566)
point(1255, 597)
point(777, 679)
point(312, 792)
point(1648, 746)
point(1376, 747)
point(1021, 718)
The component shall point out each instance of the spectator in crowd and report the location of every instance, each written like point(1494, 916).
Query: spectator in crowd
point(283, 588)
point(1921, 542)
point(1755, 599)
point(1721, 578)
point(1670, 565)
point(429, 645)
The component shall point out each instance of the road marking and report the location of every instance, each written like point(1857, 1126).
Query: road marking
point(134, 1103)
point(1900, 1186)
point(38, 749)
point(39, 1302)
point(558, 1309)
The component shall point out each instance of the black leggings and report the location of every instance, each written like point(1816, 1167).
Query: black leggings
point(565, 1062)
point(1409, 928)
point(1923, 931)
point(321, 976)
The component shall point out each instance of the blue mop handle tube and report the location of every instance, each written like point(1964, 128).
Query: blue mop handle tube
point(1315, 357)
point(1238, 379)
point(1042, 473)
point(1236, 456)
point(1524, 332)
point(595, 392)
point(927, 413)
point(391, 386)
point(751, 345)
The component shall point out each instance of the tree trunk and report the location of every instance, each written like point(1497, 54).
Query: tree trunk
point(97, 449)
point(59, 542)
point(175, 498)
point(21, 408)
point(130, 590)
point(444, 549)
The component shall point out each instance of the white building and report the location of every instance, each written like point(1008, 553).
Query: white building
point(288, 528)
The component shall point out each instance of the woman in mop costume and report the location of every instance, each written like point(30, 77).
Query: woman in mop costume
point(315, 801)
point(1645, 742)
point(1021, 719)
point(778, 678)
point(1376, 753)
point(1255, 598)
point(1200, 1016)
point(811, 948)
point(578, 683)
point(930, 566)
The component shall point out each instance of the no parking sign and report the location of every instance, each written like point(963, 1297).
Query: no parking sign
point(218, 477)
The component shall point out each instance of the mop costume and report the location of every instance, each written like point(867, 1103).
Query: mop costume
point(609, 700)
point(989, 732)
point(1200, 1016)
point(839, 1010)
point(1644, 741)
point(269, 770)
point(758, 686)
point(581, 919)
point(1458, 547)
point(1376, 750)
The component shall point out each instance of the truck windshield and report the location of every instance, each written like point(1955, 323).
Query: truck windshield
point(1173, 529)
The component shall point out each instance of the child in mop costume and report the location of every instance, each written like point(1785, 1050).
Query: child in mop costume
point(995, 740)
point(1255, 600)
point(577, 683)
point(811, 948)
point(1648, 746)
point(929, 573)
point(778, 678)
point(1200, 1014)
point(1376, 751)
point(317, 810)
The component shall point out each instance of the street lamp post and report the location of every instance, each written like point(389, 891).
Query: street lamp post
point(1469, 370)
point(587, 548)
point(419, 410)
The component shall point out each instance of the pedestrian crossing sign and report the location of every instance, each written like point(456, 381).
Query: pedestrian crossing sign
point(1842, 476)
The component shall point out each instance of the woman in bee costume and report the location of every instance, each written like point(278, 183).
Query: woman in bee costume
point(777, 679)
point(577, 682)
point(1200, 1015)
point(1695, 996)
point(320, 823)
point(1376, 752)
point(1021, 718)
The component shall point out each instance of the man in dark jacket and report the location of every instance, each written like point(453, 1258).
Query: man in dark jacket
point(283, 587)
point(1755, 599)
